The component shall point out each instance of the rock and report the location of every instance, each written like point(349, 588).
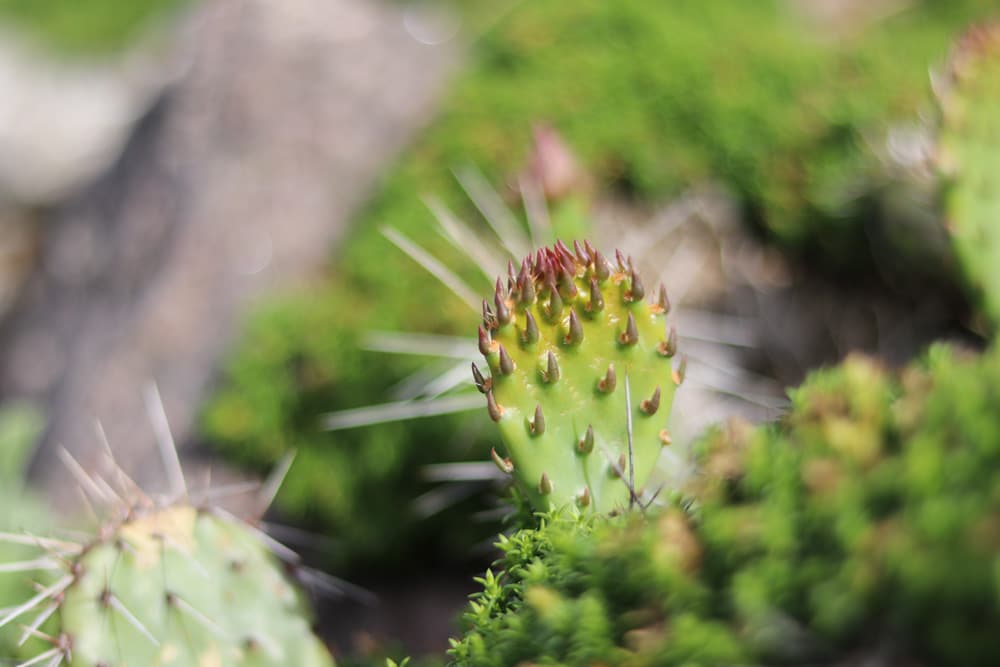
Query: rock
point(238, 180)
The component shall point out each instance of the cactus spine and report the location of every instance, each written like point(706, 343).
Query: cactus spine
point(581, 379)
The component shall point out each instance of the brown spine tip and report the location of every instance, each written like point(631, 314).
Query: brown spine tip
point(500, 301)
point(663, 301)
point(636, 289)
point(555, 301)
point(601, 268)
point(665, 437)
point(608, 383)
point(567, 284)
point(551, 368)
point(574, 332)
point(489, 319)
point(586, 444)
point(537, 424)
point(482, 383)
point(583, 498)
point(596, 298)
point(631, 334)
point(506, 465)
point(545, 485)
point(668, 347)
point(620, 259)
point(680, 371)
point(525, 285)
point(582, 256)
point(485, 342)
point(650, 405)
point(506, 363)
point(530, 334)
point(492, 407)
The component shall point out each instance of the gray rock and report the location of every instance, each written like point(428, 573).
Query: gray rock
point(240, 179)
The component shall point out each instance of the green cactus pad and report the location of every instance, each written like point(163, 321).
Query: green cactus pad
point(969, 156)
point(578, 359)
point(175, 586)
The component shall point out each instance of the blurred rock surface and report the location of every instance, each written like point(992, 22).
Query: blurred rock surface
point(239, 179)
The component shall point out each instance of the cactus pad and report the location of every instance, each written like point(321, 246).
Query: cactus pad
point(579, 360)
point(969, 156)
point(170, 586)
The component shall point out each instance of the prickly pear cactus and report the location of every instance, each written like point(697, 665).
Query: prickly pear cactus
point(168, 586)
point(581, 377)
point(862, 529)
point(969, 156)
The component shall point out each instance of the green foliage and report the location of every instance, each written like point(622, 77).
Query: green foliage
point(174, 586)
point(20, 509)
point(866, 524)
point(77, 27)
point(654, 96)
point(561, 344)
point(299, 360)
point(970, 157)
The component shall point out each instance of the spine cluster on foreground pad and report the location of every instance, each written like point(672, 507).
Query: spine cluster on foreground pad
point(167, 586)
point(581, 377)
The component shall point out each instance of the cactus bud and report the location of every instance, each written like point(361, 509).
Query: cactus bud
point(668, 347)
point(529, 335)
point(545, 485)
point(631, 334)
point(574, 332)
point(478, 379)
point(650, 405)
point(505, 465)
point(551, 368)
point(506, 363)
point(586, 444)
point(537, 424)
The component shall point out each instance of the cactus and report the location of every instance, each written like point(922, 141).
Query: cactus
point(161, 582)
point(969, 156)
point(862, 529)
point(170, 586)
point(581, 379)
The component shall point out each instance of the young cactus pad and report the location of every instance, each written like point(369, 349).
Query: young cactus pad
point(969, 154)
point(581, 378)
point(168, 586)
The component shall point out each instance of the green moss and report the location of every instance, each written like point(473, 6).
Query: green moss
point(84, 27)
point(865, 524)
point(657, 98)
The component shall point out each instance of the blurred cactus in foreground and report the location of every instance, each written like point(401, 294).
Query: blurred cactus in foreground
point(167, 580)
point(167, 586)
point(865, 526)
